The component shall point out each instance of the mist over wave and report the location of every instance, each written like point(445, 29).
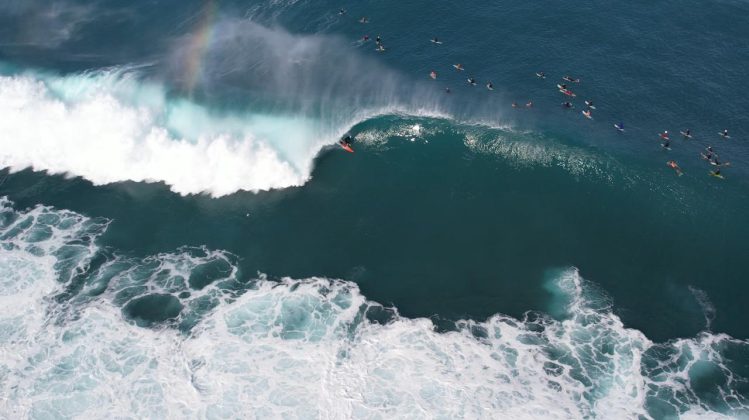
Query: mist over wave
point(93, 333)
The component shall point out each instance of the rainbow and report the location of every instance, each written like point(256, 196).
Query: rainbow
point(199, 44)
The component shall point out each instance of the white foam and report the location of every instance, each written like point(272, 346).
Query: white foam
point(93, 132)
point(303, 348)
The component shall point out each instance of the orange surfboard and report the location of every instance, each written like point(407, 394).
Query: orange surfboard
point(346, 147)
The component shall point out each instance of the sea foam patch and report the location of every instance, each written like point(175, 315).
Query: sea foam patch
point(305, 348)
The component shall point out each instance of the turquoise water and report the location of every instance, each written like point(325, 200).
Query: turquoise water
point(177, 211)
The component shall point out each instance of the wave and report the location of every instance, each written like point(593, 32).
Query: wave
point(109, 127)
point(218, 344)
point(124, 124)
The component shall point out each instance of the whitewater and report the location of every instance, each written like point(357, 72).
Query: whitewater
point(309, 348)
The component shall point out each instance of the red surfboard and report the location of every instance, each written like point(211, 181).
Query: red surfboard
point(346, 147)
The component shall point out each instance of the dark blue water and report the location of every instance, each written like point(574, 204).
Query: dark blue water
point(198, 142)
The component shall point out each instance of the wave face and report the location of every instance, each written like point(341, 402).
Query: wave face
point(83, 339)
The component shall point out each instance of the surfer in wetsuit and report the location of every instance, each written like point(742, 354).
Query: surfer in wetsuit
point(346, 141)
point(725, 133)
point(567, 104)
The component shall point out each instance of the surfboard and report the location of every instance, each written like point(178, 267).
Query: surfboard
point(458, 67)
point(724, 136)
point(587, 115)
point(689, 136)
point(715, 175)
point(436, 42)
point(663, 145)
point(568, 92)
point(543, 76)
point(621, 130)
point(346, 147)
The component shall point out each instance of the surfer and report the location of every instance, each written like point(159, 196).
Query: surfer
point(433, 75)
point(365, 38)
point(567, 105)
point(541, 75)
point(666, 144)
point(490, 86)
point(472, 81)
point(436, 41)
point(378, 40)
point(458, 67)
point(687, 133)
point(725, 133)
point(514, 104)
point(590, 104)
point(570, 79)
point(341, 12)
point(619, 126)
point(364, 20)
point(346, 141)
point(380, 48)
point(716, 172)
point(563, 87)
point(710, 149)
point(529, 104)
point(447, 90)
point(672, 164)
point(664, 135)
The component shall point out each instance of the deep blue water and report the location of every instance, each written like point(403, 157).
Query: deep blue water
point(173, 177)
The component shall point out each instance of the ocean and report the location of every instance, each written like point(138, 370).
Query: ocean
point(182, 237)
